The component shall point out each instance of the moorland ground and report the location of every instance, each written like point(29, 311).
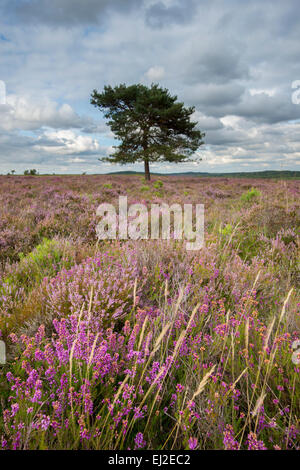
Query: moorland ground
point(141, 344)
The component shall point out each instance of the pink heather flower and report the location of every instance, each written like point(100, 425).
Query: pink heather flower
point(13, 337)
point(84, 434)
point(37, 396)
point(14, 409)
point(40, 334)
point(138, 413)
point(9, 376)
point(229, 442)
point(145, 270)
point(191, 405)
point(17, 440)
point(3, 443)
point(193, 442)
point(126, 328)
point(139, 441)
point(253, 443)
point(292, 432)
point(39, 355)
point(45, 423)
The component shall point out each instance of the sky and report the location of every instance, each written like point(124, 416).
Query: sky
point(236, 61)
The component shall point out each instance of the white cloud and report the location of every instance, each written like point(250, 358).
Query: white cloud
point(66, 142)
point(269, 92)
point(155, 73)
point(21, 112)
point(76, 160)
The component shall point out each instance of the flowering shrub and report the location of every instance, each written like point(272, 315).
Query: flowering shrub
point(141, 345)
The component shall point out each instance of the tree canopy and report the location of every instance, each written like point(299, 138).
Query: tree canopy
point(149, 123)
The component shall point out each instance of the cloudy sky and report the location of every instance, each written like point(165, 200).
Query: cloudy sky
point(236, 61)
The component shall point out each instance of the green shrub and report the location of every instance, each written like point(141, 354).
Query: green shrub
point(43, 261)
point(227, 230)
point(250, 195)
point(158, 184)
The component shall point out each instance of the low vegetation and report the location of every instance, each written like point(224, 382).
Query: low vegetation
point(143, 345)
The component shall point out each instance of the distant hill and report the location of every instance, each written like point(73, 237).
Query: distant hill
point(286, 174)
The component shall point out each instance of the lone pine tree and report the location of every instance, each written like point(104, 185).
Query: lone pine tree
point(149, 123)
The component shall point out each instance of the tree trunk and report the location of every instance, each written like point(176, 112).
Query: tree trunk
point(147, 171)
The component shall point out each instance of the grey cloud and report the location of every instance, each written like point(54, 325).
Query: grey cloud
point(213, 95)
point(159, 15)
point(271, 109)
point(218, 64)
point(233, 99)
point(223, 138)
point(208, 123)
point(67, 12)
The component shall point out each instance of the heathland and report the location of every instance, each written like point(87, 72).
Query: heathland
point(142, 344)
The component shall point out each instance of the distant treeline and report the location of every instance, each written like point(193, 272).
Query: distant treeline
point(286, 174)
